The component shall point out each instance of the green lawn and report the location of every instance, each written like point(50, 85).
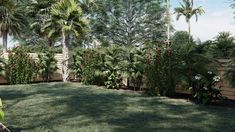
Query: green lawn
point(58, 107)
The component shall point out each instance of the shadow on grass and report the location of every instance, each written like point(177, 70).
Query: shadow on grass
point(71, 106)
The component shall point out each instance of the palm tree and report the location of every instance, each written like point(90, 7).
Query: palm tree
point(11, 20)
point(188, 11)
point(67, 15)
point(224, 45)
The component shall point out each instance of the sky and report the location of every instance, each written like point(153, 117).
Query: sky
point(218, 17)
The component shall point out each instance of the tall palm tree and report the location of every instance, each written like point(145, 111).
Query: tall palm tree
point(12, 19)
point(187, 10)
point(168, 19)
point(67, 15)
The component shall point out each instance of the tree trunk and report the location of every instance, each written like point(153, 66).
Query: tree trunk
point(189, 32)
point(168, 20)
point(4, 41)
point(65, 64)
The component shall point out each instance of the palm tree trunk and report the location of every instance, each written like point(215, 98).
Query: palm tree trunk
point(189, 32)
point(65, 50)
point(4, 41)
point(168, 20)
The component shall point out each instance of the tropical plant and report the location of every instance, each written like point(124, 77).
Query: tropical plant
point(206, 89)
point(162, 69)
point(47, 64)
point(20, 67)
point(40, 13)
point(187, 10)
point(134, 67)
point(113, 61)
point(224, 45)
point(12, 19)
point(67, 16)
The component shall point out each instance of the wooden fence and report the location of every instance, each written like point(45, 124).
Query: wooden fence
point(227, 89)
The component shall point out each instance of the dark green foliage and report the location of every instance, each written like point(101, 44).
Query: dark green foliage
point(180, 38)
point(38, 49)
point(129, 22)
point(20, 67)
point(114, 66)
point(134, 66)
point(47, 64)
point(88, 65)
point(223, 46)
point(206, 89)
point(162, 70)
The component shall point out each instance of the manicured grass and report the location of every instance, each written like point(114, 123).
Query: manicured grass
point(75, 108)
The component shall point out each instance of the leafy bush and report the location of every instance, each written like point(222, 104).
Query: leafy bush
point(161, 70)
point(20, 67)
point(47, 64)
point(88, 66)
point(134, 67)
point(205, 89)
point(114, 62)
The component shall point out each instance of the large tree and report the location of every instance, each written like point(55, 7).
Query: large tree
point(130, 22)
point(67, 16)
point(187, 10)
point(12, 19)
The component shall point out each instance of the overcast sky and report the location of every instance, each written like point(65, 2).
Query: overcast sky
point(218, 17)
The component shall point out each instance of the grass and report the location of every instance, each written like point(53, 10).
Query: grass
point(58, 107)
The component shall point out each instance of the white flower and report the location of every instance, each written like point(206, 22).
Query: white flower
point(205, 88)
point(216, 78)
point(198, 77)
point(210, 72)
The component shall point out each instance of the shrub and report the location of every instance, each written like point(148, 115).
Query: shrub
point(20, 67)
point(47, 64)
point(114, 62)
point(88, 66)
point(205, 89)
point(162, 70)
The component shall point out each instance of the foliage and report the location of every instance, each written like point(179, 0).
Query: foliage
point(88, 66)
point(180, 38)
point(114, 59)
point(224, 45)
point(67, 17)
point(20, 67)
point(38, 49)
point(134, 66)
point(206, 89)
point(47, 64)
point(1, 111)
point(129, 22)
point(162, 70)
point(187, 10)
point(12, 20)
